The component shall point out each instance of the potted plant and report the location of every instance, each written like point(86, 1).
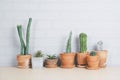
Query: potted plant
point(24, 57)
point(82, 55)
point(67, 58)
point(102, 54)
point(93, 61)
point(51, 61)
point(37, 60)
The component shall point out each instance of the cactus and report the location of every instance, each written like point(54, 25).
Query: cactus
point(28, 35)
point(24, 48)
point(19, 28)
point(68, 46)
point(83, 42)
point(92, 53)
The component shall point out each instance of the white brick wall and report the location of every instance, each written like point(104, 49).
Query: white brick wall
point(52, 21)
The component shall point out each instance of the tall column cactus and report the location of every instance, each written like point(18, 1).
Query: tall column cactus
point(24, 48)
point(28, 35)
point(68, 46)
point(19, 28)
point(83, 42)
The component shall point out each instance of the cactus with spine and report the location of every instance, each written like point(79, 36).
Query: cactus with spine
point(92, 53)
point(83, 42)
point(68, 46)
point(24, 48)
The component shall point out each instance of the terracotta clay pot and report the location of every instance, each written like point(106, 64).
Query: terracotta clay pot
point(23, 61)
point(81, 59)
point(103, 57)
point(67, 60)
point(93, 62)
point(51, 63)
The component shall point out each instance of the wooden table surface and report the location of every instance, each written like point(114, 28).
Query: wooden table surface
point(13, 73)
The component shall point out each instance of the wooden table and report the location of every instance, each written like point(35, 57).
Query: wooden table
point(13, 73)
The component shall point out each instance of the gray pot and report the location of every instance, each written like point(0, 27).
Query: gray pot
point(37, 62)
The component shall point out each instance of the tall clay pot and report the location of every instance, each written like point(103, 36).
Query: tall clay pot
point(23, 61)
point(93, 62)
point(103, 57)
point(81, 59)
point(67, 60)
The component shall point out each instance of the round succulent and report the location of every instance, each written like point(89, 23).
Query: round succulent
point(92, 53)
point(39, 54)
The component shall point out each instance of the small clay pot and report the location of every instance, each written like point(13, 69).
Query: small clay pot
point(82, 59)
point(93, 62)
point(67, 60)
point(51, 63)
point(23, 61)
point(103, 57)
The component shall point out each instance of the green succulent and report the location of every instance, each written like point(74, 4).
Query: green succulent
point(39, 54)
point(51, 56)
point(68, 46)
point(92, 53)
point(83, 42)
